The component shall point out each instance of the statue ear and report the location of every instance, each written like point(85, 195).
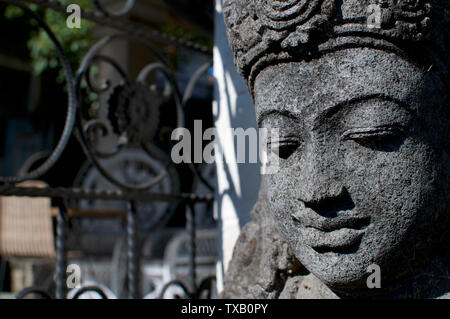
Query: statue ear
point(261, 261)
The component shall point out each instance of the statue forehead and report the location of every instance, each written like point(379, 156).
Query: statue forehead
point(336, 78)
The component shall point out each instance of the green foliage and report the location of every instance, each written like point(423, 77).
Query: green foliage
point(75, 42)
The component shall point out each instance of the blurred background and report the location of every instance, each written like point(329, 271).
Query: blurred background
point(93, 108)
point(33, 107)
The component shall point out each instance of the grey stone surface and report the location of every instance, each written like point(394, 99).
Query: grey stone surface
point(364, 175)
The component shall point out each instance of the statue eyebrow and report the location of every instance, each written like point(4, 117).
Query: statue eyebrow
point(330, 111)
point(268, 113)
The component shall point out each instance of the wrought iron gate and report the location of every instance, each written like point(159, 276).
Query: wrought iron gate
point(124, 121)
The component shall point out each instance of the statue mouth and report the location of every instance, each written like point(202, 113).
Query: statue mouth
point(337, 223)
point(349, 248)
point(344, 219)
point(341, 234)
point(343, 240)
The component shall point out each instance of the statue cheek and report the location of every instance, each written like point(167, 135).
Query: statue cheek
point(392, 183)
point(282, 201)
point(277, 196)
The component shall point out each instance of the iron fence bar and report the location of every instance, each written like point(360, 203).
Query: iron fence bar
point(133, 251)
point(61, 254)
point(206, 285)
point(187, 95)
point(121, 24)
point(3, 265)
point(76, 193)
point(192, 247)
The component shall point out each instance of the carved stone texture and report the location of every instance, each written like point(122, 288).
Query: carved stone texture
point(363, 115)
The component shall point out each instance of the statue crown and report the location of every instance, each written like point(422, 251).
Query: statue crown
point(266, 32)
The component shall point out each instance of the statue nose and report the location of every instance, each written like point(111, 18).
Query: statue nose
point(329, 203)
point(321, 188)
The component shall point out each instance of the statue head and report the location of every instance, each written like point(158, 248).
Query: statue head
point(359, 93)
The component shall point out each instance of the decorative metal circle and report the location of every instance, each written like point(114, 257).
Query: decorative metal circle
point(132, 111)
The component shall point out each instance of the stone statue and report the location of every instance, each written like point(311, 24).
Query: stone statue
point(359, 92)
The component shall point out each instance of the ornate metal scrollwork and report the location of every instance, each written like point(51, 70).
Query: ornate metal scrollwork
point(71, 106)
point(127, 114)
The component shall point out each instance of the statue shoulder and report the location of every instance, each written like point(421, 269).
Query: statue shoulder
point(261, 262)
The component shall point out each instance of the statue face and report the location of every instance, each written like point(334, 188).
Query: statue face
point(363, 175)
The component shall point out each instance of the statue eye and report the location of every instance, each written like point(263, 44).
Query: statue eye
point(382, 138)
point(285, 147)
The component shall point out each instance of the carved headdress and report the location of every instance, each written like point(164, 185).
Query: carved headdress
point(266, 32)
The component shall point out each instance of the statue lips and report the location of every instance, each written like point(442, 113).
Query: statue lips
point(342, 240)
point(342, 233)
